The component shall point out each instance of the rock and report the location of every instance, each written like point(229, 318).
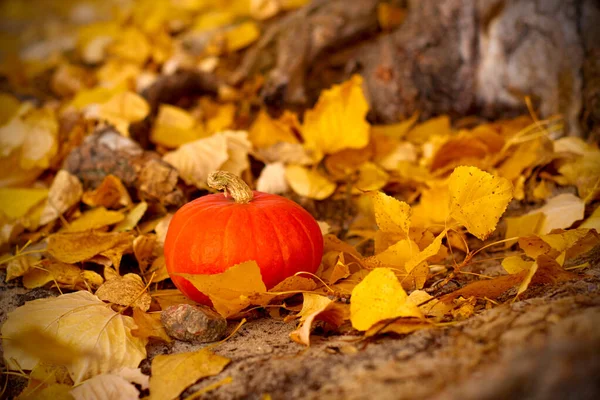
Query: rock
point(196, 324)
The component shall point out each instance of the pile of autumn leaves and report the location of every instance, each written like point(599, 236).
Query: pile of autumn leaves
point(95, 337)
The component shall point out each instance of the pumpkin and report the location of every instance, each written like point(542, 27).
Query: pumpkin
point(217, 231)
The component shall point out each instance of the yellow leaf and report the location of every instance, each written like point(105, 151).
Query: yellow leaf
point(223, 118)
point(391, 215)
point(478, 199)
point(554, 244)
point(266, 131)
point(241, 36)
point(379, 297)
point(84, 323)
point(124, 108)
point(54, 391)
point(395, 255)
point(390, 16)
point(65, 275)
point(133, 217)
point(73, 247)
point(95, 218)
point(560, 212)
point(593, 221)
point(317, 307)
point(433, 207)
point(397, 131)
point(132, 45)
point(65, 192)
point(96, 95)
point(422, 132)
point(19, 266)
point(515, 264)
point(9, 106)
point(371, 177)
point(172, 373)
point(16, 202)
point(526, 155)
point(584, 172)
point(337, 121)
point(309, 183)
point(430, 251)
point(110, 194)
point(149, 325)
point(229, 290)
point(174, 127)
point(128, 290)
point(524, 225)
point(223, 151)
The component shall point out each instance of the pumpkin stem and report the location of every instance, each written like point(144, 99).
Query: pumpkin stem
point(232, 185)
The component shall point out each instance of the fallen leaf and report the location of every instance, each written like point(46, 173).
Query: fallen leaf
point(47, 381)
point(132, 218)
point(149, 326)
point(379, 297)
point(391, 215)
point(430, 251)
point(172, 373)
point(524, 225)
point(422, 132)
point(127, 290)
point(266, 131)
point(229, 290)
point(309, 183)
point(337, 121)
point(116, 385)
point(553, 245)
point(95, 218)
point(64, 275)
point(241, 36)
point(272, 179)
point(316, 307)
point(19, 266)
point(516, 264)
point(560, 212)
point(73, 247)
point(488, 288)
point(85, 324)
point(16, 202)
point(174, 127)
point(226, 151)
point(65, 192)
point(122, 109)
point(584, 172)
point(593, 221)
point(110, 194)
point(478, 199)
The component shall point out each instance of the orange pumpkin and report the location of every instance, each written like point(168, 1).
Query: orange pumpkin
point(217, 231)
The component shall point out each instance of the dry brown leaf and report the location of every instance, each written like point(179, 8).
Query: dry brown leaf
point(321, 308)
point(64, 275)
point(128, 290)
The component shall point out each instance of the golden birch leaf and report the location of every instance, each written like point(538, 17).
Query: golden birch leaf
point(74, 247)
point(584, 172)
point(229, 290)
point(478, 199)
point(83, 322)
point(593, 221)
point(266, 131)
point(524, 225)
point(422, 132)
point(95, 218)
point(123, 109)
point(378, 297)
point(16, 202)
point(19, 266)
point(173, 373)
point(431, 250)
point(65, 192)
point(174, 127)
point(391, 215)
point(560, 212)
point(516, 264)
point(241, 36)
point(371, 177)
point(132, 218)
point(309, 183)
point(126, 290)
point(337, 121)
point(317, 307)
point(64, 275)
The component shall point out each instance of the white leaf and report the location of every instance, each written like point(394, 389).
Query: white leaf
point(83, 322)
point(272, 179)
point(107, 387)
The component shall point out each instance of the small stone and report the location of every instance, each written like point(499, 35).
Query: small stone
point(196, 324)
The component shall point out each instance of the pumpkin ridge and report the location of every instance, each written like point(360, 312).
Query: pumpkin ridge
point(225, 245)
point(277, 234)
point(308, 236)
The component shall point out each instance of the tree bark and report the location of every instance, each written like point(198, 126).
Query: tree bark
point(456, 57)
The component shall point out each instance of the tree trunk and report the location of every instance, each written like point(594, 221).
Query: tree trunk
point(456, 57)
